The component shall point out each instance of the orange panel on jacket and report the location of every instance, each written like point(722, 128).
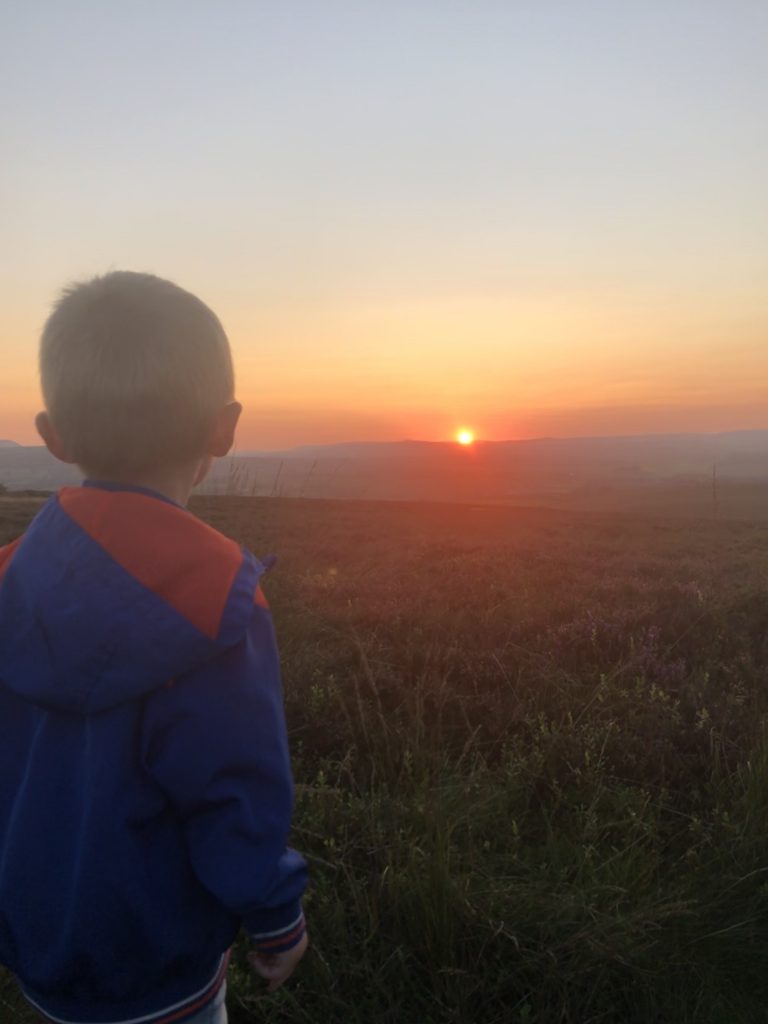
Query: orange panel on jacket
point(167, 549)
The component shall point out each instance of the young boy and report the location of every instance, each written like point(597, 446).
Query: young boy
point(145, 785)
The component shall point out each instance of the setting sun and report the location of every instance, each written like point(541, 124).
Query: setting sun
point(465, 437)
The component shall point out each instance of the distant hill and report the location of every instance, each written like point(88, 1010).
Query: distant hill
point(712, 445)
point(33, 467)
point(577, 471)
point(9, 444)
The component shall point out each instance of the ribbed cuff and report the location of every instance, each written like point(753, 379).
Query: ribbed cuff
point(282, 939)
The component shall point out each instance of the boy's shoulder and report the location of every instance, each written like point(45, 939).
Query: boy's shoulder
point(110, 593)
point(167, 549)
point(163, 546)
point(208, 578)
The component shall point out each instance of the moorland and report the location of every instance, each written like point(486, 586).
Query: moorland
point(530, 748)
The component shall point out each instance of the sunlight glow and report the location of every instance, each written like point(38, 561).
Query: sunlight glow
point(465, 437)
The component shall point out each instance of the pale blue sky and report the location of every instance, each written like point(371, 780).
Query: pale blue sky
point(540, 186)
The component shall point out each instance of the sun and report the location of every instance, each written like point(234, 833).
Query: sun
point(465, 437)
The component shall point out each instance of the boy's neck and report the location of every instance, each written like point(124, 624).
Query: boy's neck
point(176, 485)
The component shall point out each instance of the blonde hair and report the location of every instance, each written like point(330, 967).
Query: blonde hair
point(133, 371)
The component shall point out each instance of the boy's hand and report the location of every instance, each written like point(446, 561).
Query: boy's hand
point(277, 967)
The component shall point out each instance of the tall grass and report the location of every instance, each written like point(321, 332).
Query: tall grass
point(531, 759)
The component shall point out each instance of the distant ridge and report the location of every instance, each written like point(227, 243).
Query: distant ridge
point(542, 469)
point(724, 440)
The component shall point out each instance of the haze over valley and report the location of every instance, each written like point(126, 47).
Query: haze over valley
point(693, 474)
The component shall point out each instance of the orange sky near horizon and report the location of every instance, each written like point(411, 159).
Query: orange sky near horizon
point(506, 368)
point(524, 221)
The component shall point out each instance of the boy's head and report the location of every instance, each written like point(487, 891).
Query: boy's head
point(137, 378)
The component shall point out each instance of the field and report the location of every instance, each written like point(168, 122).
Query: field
point(531, 762)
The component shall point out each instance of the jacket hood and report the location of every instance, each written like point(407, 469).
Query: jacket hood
point(112, 592)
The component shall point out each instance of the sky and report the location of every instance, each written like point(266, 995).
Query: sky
point(524, 217)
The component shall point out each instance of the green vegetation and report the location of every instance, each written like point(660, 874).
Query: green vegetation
point(531, 756)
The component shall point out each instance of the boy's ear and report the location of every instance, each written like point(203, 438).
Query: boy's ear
point(224, 432)
point(53, 442)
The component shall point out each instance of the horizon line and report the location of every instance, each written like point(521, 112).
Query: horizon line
point(477, 441)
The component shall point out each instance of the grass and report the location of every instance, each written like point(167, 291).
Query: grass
point(531, 761)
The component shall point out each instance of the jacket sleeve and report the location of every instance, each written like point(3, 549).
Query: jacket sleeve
point(216, 743)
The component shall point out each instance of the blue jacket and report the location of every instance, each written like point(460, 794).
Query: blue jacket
point(145, 784)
